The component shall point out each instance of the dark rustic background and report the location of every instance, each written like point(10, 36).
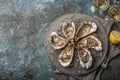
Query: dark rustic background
point(23, 24)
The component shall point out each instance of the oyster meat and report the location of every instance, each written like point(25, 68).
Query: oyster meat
point(68, 29)
point(91, 42)
point(65, 58)
point(86, 28)
point(85, 58)
point(56, 41)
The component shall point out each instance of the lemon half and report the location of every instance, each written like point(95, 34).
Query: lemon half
point(114, 37)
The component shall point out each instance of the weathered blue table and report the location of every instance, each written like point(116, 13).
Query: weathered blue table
point(23, 25)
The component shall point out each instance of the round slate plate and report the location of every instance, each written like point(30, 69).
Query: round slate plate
point(75, 68)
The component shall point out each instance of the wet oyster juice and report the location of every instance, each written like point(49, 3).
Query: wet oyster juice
point(114, 13)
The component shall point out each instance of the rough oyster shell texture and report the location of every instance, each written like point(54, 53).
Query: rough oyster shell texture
point(66, 56)
point(56, 41)
point(91, 42)
point(86, 28)
point(85, 58)
point(68, 29)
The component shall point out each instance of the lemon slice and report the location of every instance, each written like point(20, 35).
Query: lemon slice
point(115, 37)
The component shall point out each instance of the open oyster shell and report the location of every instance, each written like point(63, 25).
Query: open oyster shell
point(86, 28)
point(68, 29)
point(65, 58)
point(56, 41)
point(91, 42)
point(85, 58)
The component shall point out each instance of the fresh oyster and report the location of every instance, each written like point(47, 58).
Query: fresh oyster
point(68, 29)
point(91, 42)
point(86, 28)
point(65, 58)
point(57, 41)
point(85, 58)
point(72, 37)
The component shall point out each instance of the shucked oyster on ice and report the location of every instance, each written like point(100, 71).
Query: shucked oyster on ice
point(85, 58)
point(57, 41)
point(65, 58)
point(86, 28)
point(68, 29)
point(91, 42)
point(86, 41)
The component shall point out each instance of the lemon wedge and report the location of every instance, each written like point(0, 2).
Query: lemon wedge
point(114, 37)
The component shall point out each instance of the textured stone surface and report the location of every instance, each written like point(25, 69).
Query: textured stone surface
point(23, 25)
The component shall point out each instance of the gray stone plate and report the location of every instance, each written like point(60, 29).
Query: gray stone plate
point(75, 68)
